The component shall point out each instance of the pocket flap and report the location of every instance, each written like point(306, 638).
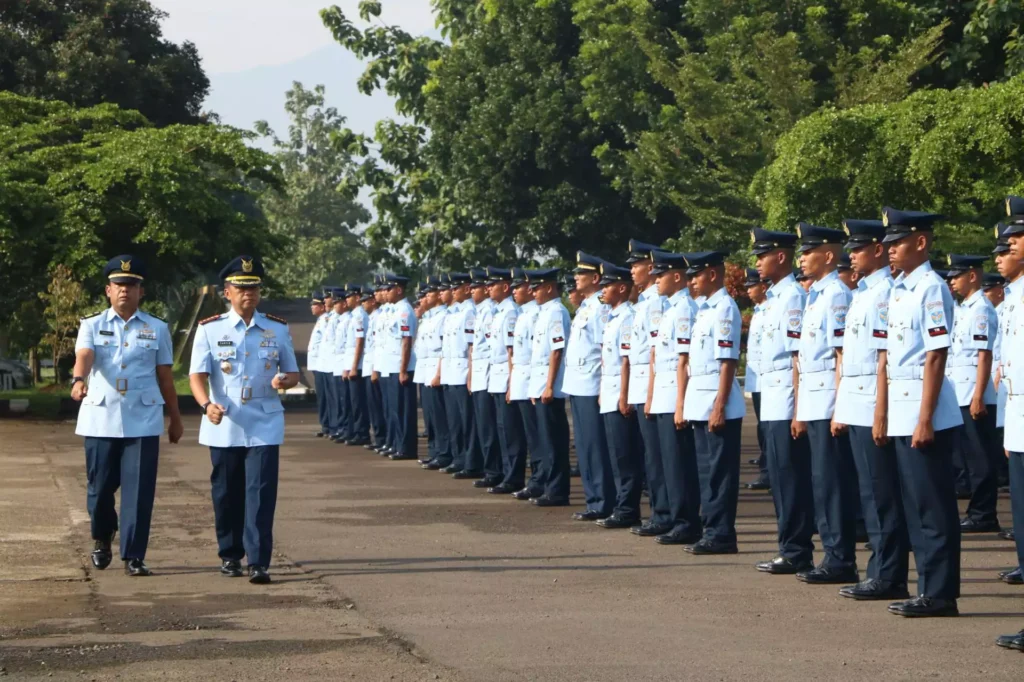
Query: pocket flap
point(819, 381)
point(906, 390)
point(704, 382)
point(147, 344)
point(150, 398)
point(783, 379)
point(860, 385)
point(272, 406)
point(96, 397)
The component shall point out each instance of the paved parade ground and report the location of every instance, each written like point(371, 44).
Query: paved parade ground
point(386, 572)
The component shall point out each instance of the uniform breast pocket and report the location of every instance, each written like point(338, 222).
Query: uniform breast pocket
point(268, 358)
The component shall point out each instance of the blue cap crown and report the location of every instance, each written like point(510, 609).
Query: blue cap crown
point(125, 269)
point(244, 272)
point(763, 241)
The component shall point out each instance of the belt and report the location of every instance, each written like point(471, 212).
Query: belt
point(905, 372)
point(817, 366)
point(249, 392)
point(859, 369)
point(776, 365)
point(962, 362)
point(128, 384)
point(704, 370)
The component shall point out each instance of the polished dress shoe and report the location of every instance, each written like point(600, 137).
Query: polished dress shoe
point(616, 521)
point(969, 525)
point(753, 462)
point(319, 434)
point(823, 575)
point(1012, 577)
point(357, 442)
point(759, 485)
point(545, 501)
point(527, 494)
point(258, 575)
point(136, 568)
point(709, 546)
point(231, 568)
point(371, 447)
point(649, 530)
point(399, 457)
point(588, 515)
point(873, 590)
point(467, 475)
point(422, 461)
point(925, 607)
point(1012, 641)
point(101, 555)
point(574, 472)
point(487, 482)
point(677, 537)
point(1007, 534)
point(780, 565)
point(450, 469)
point(502, 489)
point(432, 465)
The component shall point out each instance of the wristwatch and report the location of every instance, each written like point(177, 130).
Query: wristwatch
point(75, 380)
point(206, 405)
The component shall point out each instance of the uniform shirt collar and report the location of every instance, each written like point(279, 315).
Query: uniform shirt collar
point(820, 285)
point(713, 300)
point(649, 292)
point(551, 304)
point(773, 290)
point(678, 296)
point(257, 319)
point(875, 278)
point(910, 281)
point(1014, 286)
point(973, 298)
point(112, 315)
point(619, 309)
point(507, 304)
point(593, 299)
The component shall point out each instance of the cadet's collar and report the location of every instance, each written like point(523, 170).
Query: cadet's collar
point(910, 281)
point(713, 300)
point(678, 296)
point(1012, 287)
point(552, 303)
point(257, 319)
point(973, 298)
point(619, 309)
point(879, 275)
point(593, 299)
point(774, 289)
point(112, 315)
point(507, 304)
point(820, 285)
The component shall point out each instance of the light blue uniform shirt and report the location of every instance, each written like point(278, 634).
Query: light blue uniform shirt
point(583, 352)
point(399, 324)
point(428, 345)
point(325, 356)
point(458, 339)
point(780, 339)
point(502, 337)
point(381, 363)
point(821, 334)
point(316, 338)
point(975, 325)
point(674, 333)
point(370, 352)
point(124, 399)
point(646, 318)
point(522, 349)
point(867, 333)
point(358, 322)
point(715, 337)
point(615, 345)
point(340, 359)
point(242, 361)
point(920, 311)
point(549, 331)
point(481, 352)
point(752, 381)
point(1013, 300)
point(1013, 366)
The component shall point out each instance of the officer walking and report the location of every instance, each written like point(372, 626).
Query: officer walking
point(519, 384)
point(353, 368)
point(714, 403)
point(756, 289)
point(240, 360)
point(123, 378)
point(316, 307)
point(923, 415)
point(458, 343)
point(485, 459)
point(511, 437)
point(400, 364)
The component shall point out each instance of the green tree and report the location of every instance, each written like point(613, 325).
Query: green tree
point(64, 299)
point(315, 221)
point(88, 52)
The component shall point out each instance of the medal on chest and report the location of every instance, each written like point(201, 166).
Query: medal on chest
point(225, 366)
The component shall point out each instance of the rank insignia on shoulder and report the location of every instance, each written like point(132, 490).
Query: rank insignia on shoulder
point(275, 318)
point(92, 315)
point(210, 319)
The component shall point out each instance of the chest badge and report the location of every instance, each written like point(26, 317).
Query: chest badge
point(225, 366)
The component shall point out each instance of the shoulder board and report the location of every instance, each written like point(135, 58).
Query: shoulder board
point(92, 315)
point(210, 319)
point(275, 318)
point(156, 317)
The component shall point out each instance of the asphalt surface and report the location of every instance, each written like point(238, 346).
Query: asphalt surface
point(386, 572)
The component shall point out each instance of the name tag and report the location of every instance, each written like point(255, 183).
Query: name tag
point(225, 343)
point(105, 332)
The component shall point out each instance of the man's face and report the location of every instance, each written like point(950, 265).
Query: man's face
point(124, 296)
point(545, 291)
point(905, 253)
point(340, 306)
point(396, 294)
point(317, 309)
point(369, 305)
point(814, 263)
point(995, 295)
point(446, 296)
point(576, 298)
point(522, 294)
point(352, 302)
point(615, 293)
point(773, 265)
point(756, 292)
point(862, 259)
point(704, 283)
point(1017, 246)
point(479, 294)
point(242, 299)
point(666, 282)
point(460, 293)
point(641, 272)
point(848, 277)
point(963, 284)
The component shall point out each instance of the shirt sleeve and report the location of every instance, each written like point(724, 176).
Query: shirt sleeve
point(793, 321)
point(165, 352)
point(982, 334)
point(626, 335)
point(556, 332)
point(286, 360)
point(878, 319)
point(202, 357)
point(683, 326)
point(510, 327)
point(407, 322)
point(934, 318)
point(835, 317)
point(85, 338)
point(726, 334)
point(361, 324)
point(469, 325)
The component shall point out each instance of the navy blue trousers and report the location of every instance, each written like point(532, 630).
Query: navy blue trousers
point(625, 451)
point(882, 504)
point(459, 411)
point(682, 481)
point(718, 463)
point(438, 430)
point(244, 487)
point(390, 411)
point(538, 475)
point(402, 401)
point(512, 440)
point(789, 466)
point(930, 508)
point(486, 456)
point(1015, 465)
point(553, 447)
point(129, 464)
point(359, 418)
point(834, 481)
point(762, 458)
point(344, 417)
point(656, 489)
point(375, 407)
point(979, 450)
point(592, 454)
point(331, 390)
point(322, 402)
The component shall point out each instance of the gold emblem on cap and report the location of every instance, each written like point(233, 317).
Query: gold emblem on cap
point(1008, 206)
point(885, 218)
point(846, 228)
point(126, 266)
point(753, 239)
point(246, 265)
point(799, 232)
point(949, 259)
point(602, 268)
point(997, 231)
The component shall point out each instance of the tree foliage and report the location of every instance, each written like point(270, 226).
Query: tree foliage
point(64, 299)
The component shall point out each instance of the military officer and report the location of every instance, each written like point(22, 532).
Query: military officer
point(583, 384)
point(992, 287)
point(847, 274)
point(316, 307)
point(501, 341)
point(622, 431)
point(457, 344)
point(400, 364)
point(375, 408)
point(123, 378)
point(969, 369)
point(240, 360)
point(833, 474)
point(569, 289)
point(756, 289)
point(423, 307)
point(788, 453)
point(485, 461)
point(337, 354)
point(1011, 269)
point(861, 408)
point(325, 360)
point(519, 383)
point(547, 373)
point(382, 365)
point(665, 401)
point(923, 415)
point(647, 314)
point(353, 368)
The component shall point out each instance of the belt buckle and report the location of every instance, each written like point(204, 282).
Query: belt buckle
point(246, 394)
point(122, 386)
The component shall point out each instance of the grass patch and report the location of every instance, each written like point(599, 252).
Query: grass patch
point(44, 400)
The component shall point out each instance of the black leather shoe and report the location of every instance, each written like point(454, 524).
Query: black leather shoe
point(319, 434)
point(421, 461)
point(1012, 577)
point(502, 489)
point(969, 525)
point(421, 434)
point(759, 485)
point(545, 501)
point(963, 493)
point(615, 522)
point(450, 469)
point(399, 457)
point(588, 515)
point(1012, 641)
point(925, 607)
point(432, 465)
point(677, 537)
point(753, 462)
point(487, 482)
point(649, 530)
point(371, 447)
point(709, 546)
point(828, 576)
point(136, 568)
point(231, 568)
point(1007, 534)
point(526, 494)
point(467, 475)
point(874, 590)
point(258, 575)
point(574, 472)
point(780, 565)
point(101, 555)
point(357, 442)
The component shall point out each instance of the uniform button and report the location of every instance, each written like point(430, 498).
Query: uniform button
point(246, 353)
point(905, 394)
point(860, 388)
point(125, 344)
point(245, 377)
point(123, 366)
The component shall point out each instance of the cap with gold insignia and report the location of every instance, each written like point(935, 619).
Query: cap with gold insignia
point(813, 236)
point(125, 269)
point(900, 224)
point(752, 278)
point(863, 232)
point(353, 290)
point(1002, 239)
point(392, 280)
point(519, 277)
point(763, 241)
point(640, 251)
point(538, 277)
point(993, 280)
point(613, 274)
point(477, 277)
point(1014, 215)
point(696, 262)
point(317, 297)
point(665, 261)
point(587, 263)
point(959, 264)
point(495, 275)
point(244, 272)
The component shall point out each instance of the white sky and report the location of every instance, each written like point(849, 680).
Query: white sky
point(235, 35)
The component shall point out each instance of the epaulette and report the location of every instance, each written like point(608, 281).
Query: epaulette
point(210, 319)
point(275, 318)
point(92, 315)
